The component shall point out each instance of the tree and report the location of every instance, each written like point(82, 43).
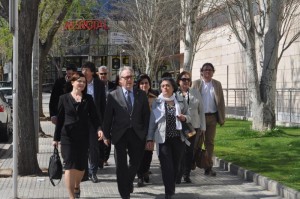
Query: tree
point(193, 23)
point(148, 25)
point(51, 19)
point(270, 21)
point(5, 42)
point(28, 14)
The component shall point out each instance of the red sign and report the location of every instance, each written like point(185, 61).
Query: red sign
point(93, 24)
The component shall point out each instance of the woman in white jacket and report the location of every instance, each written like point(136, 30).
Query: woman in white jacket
point(194, 100)
point(165, 128)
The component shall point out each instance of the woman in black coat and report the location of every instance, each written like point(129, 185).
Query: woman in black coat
point(75, 110)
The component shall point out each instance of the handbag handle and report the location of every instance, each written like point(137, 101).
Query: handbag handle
point(203, 141)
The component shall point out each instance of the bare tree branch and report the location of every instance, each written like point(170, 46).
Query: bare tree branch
point(4, 9)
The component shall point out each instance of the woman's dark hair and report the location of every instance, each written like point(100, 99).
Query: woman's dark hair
point(171, 80)
point(208, 64)
point(117, 81)
point(75, 77)
point(182, 74)
point(141, 78)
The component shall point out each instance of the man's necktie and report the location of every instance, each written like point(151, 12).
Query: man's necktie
point(129, 103)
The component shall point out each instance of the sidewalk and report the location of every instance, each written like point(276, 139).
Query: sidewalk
point(224, 186)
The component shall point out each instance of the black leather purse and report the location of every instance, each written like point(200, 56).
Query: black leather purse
point(55, 169)
point(188, 130)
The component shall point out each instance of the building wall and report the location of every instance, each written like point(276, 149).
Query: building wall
point(228, 57)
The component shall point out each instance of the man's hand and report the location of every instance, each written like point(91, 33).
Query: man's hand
point(100, 135)
point(150, 145)
point(53, 119)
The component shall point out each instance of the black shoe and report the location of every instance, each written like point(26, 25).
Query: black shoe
point(77, 193)
point(140, 182)
point(93, 178)
point(146, 178)
point(210, 172)
point(187, 179)
point(127, 197)
point(85, 178)
point(178, 181)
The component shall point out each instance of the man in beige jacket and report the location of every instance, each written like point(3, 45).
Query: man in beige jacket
point(214, 108)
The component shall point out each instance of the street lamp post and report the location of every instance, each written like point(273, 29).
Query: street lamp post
point(121, 62)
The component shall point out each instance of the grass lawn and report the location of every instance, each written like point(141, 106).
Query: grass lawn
point(274, 154)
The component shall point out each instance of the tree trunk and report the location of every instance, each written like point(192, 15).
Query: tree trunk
point(269, 73)
point(27, 154)
point(188, 45)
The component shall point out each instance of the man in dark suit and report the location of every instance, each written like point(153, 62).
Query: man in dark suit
point(96, 89)
point(126, 124)
point(109, 86)
point(57, 90)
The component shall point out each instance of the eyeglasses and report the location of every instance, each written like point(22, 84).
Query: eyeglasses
point(185, 79)
point(127, 77)
point(103, 73)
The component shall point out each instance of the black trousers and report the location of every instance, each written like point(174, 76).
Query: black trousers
point(132, 145)
point(187, 159)
point(170, 155)
point(93, 150)
point(145, 164)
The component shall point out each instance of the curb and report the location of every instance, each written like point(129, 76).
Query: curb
point(260, 180)
point(5, 173)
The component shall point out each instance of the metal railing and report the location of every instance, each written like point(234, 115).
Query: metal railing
point(287, 104)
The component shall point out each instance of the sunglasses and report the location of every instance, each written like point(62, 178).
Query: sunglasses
point(185, 79)
point(103, 73)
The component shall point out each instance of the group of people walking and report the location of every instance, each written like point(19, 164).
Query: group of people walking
point(90, 115)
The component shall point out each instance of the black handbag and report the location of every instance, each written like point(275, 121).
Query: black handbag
point(55, 169)
point(188, 130)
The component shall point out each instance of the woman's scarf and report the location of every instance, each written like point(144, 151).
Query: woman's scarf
point(160, 110)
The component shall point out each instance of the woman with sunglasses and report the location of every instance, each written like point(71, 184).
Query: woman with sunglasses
point(194, 100)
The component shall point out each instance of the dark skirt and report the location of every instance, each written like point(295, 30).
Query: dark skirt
point(75, 156)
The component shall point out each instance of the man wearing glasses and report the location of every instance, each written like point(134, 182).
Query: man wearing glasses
point(103, 76)
point(214, 108)
point(126, 124)
point(109, 86)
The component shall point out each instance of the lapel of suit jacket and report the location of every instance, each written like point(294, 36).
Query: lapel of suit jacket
point(121, 97)
point(96, 91)
point(136, 94)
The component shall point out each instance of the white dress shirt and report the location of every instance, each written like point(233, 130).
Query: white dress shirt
point(208, 97)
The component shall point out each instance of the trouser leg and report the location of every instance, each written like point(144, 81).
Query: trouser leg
point(93, 152)
point(170, 154)
point(210, 133)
